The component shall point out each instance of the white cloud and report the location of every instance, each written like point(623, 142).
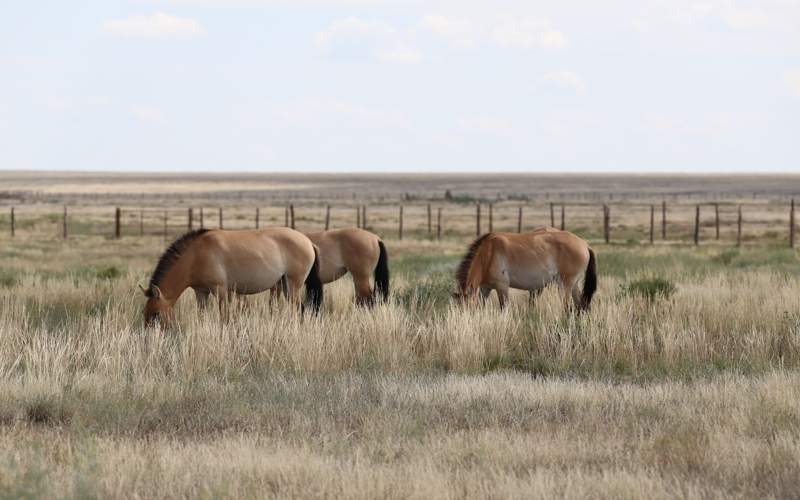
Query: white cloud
point(158, 25)
point(352, 28)
point(149, 114)
point(388, 42)
point(399, 53)
point(457, 32)
point(792, 78)
point(553, 39)
point(746, 19)
point(566, 79)
point(514, 33)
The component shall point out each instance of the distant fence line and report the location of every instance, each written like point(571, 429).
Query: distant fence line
point(483, 219)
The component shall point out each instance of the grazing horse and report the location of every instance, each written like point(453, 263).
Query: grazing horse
point(357, 251)
point(528, 261)
point(225, 263)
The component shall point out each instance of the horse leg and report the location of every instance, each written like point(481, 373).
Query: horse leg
point(202, 299)
point(567, 286)
point(533, 295)
point(484, 295)
point(502, 294)
point(293, 290)
point(363, 289)
point(224, 298)
point(278, 289)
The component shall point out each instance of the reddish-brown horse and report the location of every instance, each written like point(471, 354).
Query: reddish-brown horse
point(529, 261)
point(224, 263)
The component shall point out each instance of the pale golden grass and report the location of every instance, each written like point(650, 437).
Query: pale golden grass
point(692, 396)
point(386, 436)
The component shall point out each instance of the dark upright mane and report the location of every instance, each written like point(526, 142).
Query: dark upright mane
point(172, 254)
point(463, 267)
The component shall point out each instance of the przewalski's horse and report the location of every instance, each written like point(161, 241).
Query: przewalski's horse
point(361, 253)
point(225, 263)
point(529, 261)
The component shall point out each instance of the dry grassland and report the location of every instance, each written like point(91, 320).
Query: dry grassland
point(692, 395)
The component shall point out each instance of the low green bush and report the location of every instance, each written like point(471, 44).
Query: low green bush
point(650, 288)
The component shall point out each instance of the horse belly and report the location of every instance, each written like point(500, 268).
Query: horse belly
point(331, 264)
point(254, 280)
point(532, 277)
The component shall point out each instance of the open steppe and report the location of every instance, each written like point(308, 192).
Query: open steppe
point(657, 392)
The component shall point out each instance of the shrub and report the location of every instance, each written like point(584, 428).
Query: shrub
point(7, 279)
point(434, 291)
point(650, 288)
point(726, 256)
point(109, 273)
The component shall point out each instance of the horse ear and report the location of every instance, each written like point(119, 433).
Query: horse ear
point(155, 292)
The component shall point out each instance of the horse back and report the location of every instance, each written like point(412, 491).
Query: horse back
point(252, 259)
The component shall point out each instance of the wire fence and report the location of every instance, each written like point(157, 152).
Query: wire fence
point(622, 222)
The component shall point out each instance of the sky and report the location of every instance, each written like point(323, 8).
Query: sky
point(401, 85)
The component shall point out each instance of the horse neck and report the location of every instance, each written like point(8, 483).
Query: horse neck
point(177, 279)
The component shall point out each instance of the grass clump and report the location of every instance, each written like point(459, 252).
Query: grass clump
point(109, 273)
point(650, 288)
point(432, 292)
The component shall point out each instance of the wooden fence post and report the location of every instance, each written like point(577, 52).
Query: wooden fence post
point(327, 217)
point(491, 217)
point(697, 225)
point(552, 216)
point(606, 223)
point(430, 227)
point(439, 223)
point(190, 219)
point(716, 219)
point(291, 215)
point(286, 216)
point(478, 219)
point(64, 224)
point(221, 225)
point(739, 228)
point(141, 222)
point(258, 217)
point(364, 216)
point(563, 226)
point(400, 225)
point(202, 226)
point(358, 216)
point(791, 224)
point(117, 228)
point(652, 222)
point(519, 220)
point(664, 220)
point(165, 225)
point(13, 222)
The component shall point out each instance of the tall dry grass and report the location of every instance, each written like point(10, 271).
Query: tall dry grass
point(692, 395)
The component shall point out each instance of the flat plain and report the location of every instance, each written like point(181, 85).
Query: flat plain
point(682, 381)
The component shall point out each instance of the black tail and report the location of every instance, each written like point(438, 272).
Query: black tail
point(589, 282)
point(382, 273)
point(314, 284)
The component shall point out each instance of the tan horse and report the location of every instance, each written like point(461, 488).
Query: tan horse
point(529, 261)
point(358, 252)
point(225, 263)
